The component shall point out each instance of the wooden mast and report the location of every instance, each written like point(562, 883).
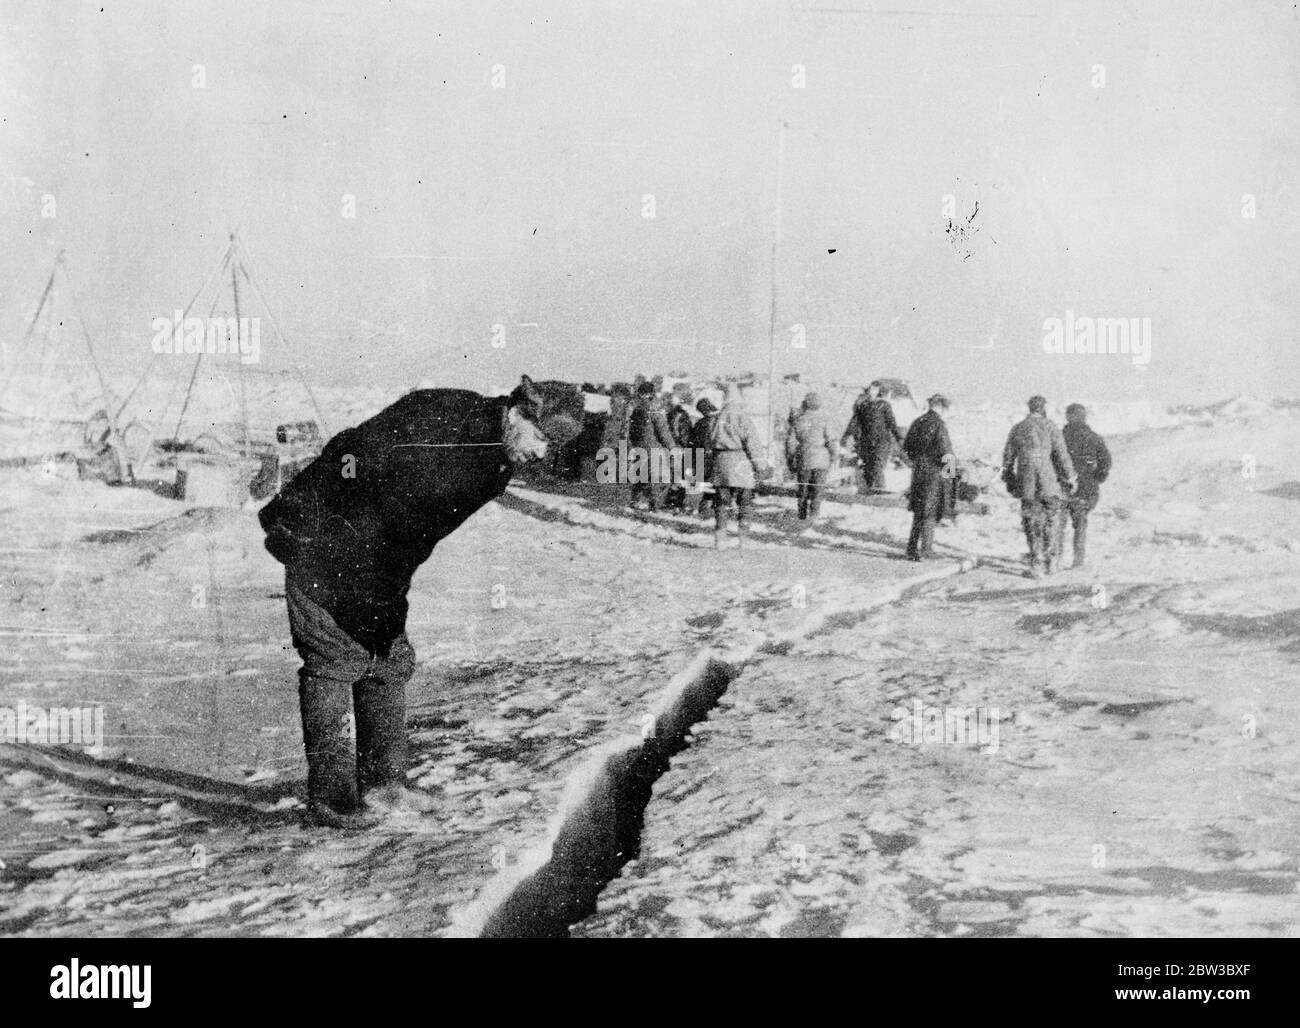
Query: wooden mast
point(243, 388)
point(771, 331)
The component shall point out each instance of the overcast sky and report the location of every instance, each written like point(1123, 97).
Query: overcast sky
point(523, 206)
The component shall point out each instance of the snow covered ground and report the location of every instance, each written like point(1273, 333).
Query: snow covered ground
point(1143, 779)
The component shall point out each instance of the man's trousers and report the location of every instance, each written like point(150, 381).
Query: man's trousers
point(811, 485)
point(1043, 520)
point(353, 706)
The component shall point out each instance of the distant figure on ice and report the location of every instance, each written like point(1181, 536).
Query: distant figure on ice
point(679, 426)
point(731, 448)
point(1035, 466)
point(620, 409)
point(929, 449)
point(679, 421)
point(810, 449)
point(699, 498)
point(1091, 462)
point(350, 530)
point(874, 432)
point(648, 429)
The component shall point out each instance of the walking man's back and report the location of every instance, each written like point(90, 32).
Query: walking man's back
point(1035, 465)
point(811, 450)
point(1092, 462)
point(930, 450)
point(875, 433)
point(733, 461)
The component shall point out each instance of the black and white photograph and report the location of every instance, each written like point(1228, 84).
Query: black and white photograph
point(675, 469)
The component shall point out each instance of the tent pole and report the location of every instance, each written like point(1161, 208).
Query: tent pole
point(49, 285)
point(243, 389)
point(189, 389)
point(31, 325)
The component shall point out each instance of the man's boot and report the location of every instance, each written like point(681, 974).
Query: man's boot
point(740, 535)
point(329, 738)
point(1080, 540)
point(1055, 539)
point(381, 749)
point(1034, 537)
point(381, 733)
point(914, 540)
point(926, 548)
point(815, 498)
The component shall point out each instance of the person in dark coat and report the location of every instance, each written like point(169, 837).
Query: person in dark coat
point(875, 433)
point(703, 494)
point(1036, 468)
point(929, 449)
point(679, 426)
point(781, 439)
point(679, 423)
point(1091, 461)
point(648, 429)
point(351, 529)
point(620, 410)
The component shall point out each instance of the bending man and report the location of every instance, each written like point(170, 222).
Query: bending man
point(350, 530)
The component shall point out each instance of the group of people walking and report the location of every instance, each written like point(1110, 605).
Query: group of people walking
point(732, 465)
point(1054, 473)
point(811, 450)
point(726, 437)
